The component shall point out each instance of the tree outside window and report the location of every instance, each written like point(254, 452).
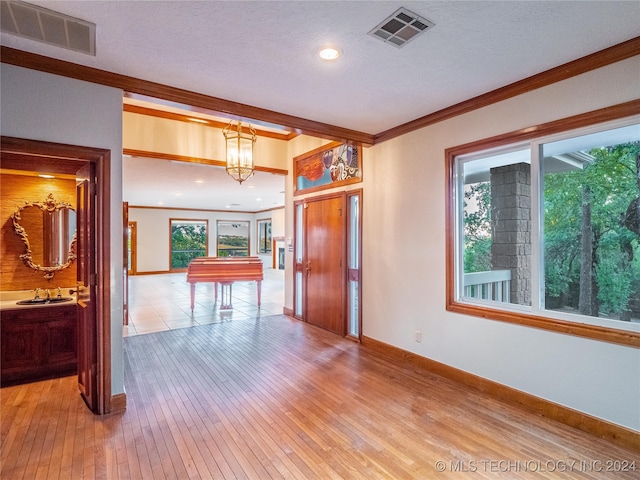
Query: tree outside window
point(188, 241)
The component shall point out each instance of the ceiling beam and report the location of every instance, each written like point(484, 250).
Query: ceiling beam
point(217, 106)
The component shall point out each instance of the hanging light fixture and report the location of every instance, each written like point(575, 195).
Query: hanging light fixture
point(239, 150)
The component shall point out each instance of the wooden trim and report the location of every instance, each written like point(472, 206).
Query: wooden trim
point(215, 105)
point(118, 403)
point(154, 272)
point(171, 220)
point(204, 161)
point(611, 432)
point(622, 337)
point(329, 186)
point(72, 156)
point(288, 312)
point(194, 209)
point(602, 58)
point(153, 112)
point(599, 59)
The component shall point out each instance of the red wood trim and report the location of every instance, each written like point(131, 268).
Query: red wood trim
point(75, 156)
point(595, 332)
point(596, 60)
point(118, 403)
point(153, 112)
point(216, 105)
point(193, 209)
point(184, 158)
point(288, 312)
point(318, 151)
point(601, 428)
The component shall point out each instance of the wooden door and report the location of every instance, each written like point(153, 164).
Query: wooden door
point(86, 288)
point(324, 264)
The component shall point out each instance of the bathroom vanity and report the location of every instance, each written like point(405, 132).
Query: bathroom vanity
point(38, 341)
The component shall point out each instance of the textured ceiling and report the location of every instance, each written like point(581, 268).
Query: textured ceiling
point(264, 54)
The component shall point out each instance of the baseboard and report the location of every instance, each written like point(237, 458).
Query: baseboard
point(118, 403)
point(287, 311)
point(601, 428)
point(159, 272)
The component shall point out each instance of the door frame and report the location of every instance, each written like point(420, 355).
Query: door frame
point(299, 267)
point(37, 155)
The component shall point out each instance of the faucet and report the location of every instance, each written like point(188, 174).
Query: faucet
point(59, 292)
point(37, 294)
point(48, 292)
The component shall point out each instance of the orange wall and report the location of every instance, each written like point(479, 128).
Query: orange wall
point(15, 190)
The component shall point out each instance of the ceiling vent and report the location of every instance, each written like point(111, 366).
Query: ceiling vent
point(401, 27)
point(47, 26)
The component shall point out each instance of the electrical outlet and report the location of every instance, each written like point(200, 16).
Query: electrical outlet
point(418, 336)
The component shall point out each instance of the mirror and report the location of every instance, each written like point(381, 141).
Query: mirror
point(52, 226)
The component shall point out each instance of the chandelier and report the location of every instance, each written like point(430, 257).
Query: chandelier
point(239, 150)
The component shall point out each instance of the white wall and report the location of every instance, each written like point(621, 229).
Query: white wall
point(404, 287)
point(41, 106)
point(153, 233)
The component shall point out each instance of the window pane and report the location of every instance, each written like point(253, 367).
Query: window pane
point(495, 196)
point(233, 239)
point(264, 236)
point(591, 224)
point(188, 241)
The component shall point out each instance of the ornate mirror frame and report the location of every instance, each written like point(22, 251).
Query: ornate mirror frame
point(49, 205)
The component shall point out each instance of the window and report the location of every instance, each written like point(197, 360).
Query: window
point(547, 232)
point(264, 236)
point(233, 239)
point(188, 241)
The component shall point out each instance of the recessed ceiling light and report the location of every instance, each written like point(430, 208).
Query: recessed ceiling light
point(199, 181)
point(43, 175)
point(178, 194)
point(329, 53)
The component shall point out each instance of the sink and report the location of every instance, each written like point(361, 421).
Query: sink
point(44, 301)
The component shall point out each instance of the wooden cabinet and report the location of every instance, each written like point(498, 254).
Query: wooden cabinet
point(38, 343)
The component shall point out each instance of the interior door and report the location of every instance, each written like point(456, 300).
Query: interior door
point(86, 288)
point(324, 267)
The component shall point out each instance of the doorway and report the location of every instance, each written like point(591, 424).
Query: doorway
point(93, 262)
point(327, 262)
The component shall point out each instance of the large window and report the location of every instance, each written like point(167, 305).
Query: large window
point(233, 239)
point(188, 241)
point(547, 232)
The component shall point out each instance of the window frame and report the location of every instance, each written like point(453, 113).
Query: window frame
point(261, 238)
point(535, 136)
point(247, 225)
point(186, 221)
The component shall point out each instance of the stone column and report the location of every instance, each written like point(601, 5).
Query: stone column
point(511, 227)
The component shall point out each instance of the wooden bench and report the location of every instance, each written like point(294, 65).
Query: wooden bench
point(225, 271)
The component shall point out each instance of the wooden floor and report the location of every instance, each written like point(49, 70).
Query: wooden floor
point(275, 398)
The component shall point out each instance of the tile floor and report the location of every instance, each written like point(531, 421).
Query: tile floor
point(162, 302)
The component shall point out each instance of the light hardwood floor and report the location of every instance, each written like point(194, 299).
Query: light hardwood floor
point(272, 397)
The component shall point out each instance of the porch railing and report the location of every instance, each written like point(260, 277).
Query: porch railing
point(491, 285)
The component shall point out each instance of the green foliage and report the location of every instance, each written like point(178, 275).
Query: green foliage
point(612, 179)
point(188, 241)
point(477, 227)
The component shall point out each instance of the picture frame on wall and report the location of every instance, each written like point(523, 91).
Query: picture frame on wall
point(329, 166)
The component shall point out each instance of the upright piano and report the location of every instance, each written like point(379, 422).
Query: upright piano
point(225, 271)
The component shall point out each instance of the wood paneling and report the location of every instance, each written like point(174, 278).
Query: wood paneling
point(273, 397)
point(15, 190)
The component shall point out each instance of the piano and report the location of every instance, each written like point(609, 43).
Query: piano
point(225, 271)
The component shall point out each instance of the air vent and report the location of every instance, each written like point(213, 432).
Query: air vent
point(46, 26)
point(401, 27)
